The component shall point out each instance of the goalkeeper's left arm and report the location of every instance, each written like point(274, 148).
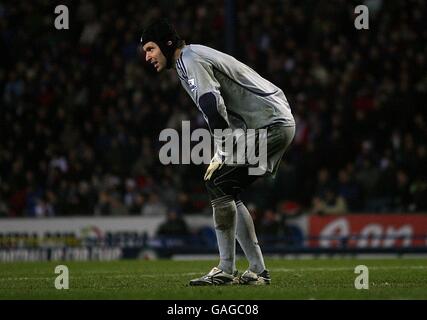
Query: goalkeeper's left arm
point(205, 92)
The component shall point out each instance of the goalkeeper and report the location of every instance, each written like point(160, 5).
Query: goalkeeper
point(230, 95)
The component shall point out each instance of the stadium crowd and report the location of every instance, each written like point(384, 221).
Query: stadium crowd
point(80, 116)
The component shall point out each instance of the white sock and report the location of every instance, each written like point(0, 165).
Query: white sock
point(224, 213)
point(245, 234)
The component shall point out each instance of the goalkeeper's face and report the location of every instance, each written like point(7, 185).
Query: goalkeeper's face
point(154, 56)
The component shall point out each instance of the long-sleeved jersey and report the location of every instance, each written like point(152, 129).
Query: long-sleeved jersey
point(229, 93)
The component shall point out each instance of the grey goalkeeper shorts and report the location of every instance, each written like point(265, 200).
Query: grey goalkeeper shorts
point(233, 179)
point(279, 138)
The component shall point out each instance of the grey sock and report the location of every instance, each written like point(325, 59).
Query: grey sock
point(224, 213)
point(245, 233)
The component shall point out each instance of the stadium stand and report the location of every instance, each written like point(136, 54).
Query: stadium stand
point(80, 118)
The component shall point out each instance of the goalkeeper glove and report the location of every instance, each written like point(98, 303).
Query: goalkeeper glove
point(215, 164)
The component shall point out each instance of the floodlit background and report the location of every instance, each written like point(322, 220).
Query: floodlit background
point(80, 116)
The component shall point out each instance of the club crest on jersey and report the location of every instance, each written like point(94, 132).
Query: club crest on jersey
point(192, 84)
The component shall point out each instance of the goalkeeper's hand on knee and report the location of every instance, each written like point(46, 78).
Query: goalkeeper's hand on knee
point(215, 164)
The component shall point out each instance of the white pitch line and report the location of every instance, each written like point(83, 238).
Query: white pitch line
point(25, 278)
point(121, 276)
point(331, 269)
point(346, 268)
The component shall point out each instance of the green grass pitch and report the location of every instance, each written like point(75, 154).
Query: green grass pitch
point(168, 279)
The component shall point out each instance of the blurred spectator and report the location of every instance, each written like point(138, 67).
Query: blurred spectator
point(174, 225)
point(419, 192)
point(330, 203)
point(349, 190)
point(103, 207)
point(324, 182)
point(154, 207)
point(403, 201)
point(287, 209)
point(81, 117)
point(367, 176)
point(4, 210)
point(43, 209)
point(131, 193)
point(269, 227)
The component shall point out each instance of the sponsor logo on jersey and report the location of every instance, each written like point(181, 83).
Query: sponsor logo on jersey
point(192, 84)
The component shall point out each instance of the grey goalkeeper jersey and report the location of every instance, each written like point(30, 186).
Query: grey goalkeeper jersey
point(228, 92)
